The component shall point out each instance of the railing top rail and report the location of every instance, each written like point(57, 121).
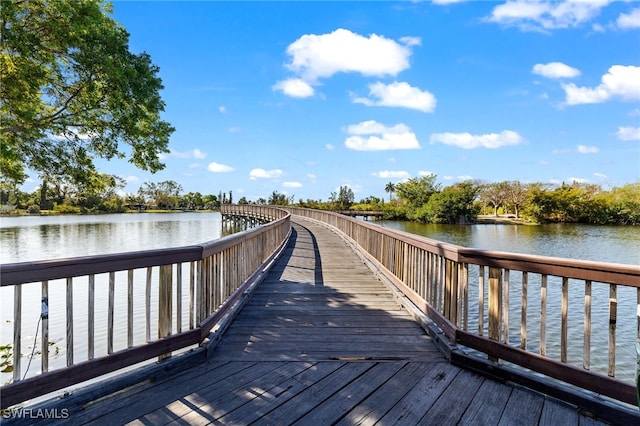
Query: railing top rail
point(607, 272)
point(51, 269)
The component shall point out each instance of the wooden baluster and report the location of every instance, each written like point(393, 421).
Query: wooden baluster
point(481, 300)
point(45, 327)
point(505, 307)
point(613, 314)
point(464, 284)
point(564, 319)
point(192, 294)
point(179, 298)
point(147, 305)
point(69, 322)
point(200, 291)
point(586, 349)
point(91, 320)
point(523, 316)
point(448, 290)
point(17, 331)
point(130, 308)
point(111, 303)
point(495, 304)
point(165, 307)
point(543, 315)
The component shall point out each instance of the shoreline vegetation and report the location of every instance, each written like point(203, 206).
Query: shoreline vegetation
point(420, 199)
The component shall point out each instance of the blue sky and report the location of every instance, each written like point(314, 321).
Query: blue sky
point(304, 97)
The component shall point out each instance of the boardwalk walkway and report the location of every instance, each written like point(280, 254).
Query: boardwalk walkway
point(323, 341)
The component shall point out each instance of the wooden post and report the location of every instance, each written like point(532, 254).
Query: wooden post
point(130, 308)
point(111, 303)
point(613, 314)
point(147, 305)
point(69, 322)
point(17, 331)
point(481, 300)
point(463, 276)
point(45, 326)
point(563, 321)
point(192, 294)
point(179, 298)
point(543, 315)
point(586, 350)
point(165, 308)
point(495, 302)
point(523, 319)
point(91, 320)
point(505, 307)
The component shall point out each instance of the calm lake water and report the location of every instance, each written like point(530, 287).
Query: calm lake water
point(42, 237)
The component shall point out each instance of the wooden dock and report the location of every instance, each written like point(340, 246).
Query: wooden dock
point(323, 341)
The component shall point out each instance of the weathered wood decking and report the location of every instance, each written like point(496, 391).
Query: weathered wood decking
point(323, 341)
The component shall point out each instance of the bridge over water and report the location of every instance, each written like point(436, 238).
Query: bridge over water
point(331, 326)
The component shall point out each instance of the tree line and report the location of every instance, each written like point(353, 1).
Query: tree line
point(421, 199)
point(424, 200)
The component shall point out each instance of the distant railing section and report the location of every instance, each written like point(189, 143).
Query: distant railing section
point(193, 287)
point(466, 292)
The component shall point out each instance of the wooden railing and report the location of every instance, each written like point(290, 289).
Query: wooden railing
point(466, 292)
point(192, 287)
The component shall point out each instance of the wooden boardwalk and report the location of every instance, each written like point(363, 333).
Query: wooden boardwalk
point(323, 341)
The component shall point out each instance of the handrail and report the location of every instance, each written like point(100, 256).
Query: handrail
point(190, 302)
point(465, 292)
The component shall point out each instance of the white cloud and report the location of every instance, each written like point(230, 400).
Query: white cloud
point(425, 173)
point(600, 175)
point(379, 137)
point(392, 174)
point(132, 179)
point(222, 109)
point(629, 20)
point(628, 133)
point(561, 151)
point(544, 16)
point(399, 94)
point(555, 70)
point(583, 149)
point(578, 180)
point(295, 87)
point(234, 129)
point(219, 168)
point(469, 141)
point(264, 174)
point(329, 147)
point(292, 184)
point(193, 153)
point(410, 41)
point(620, 82)
point(321, 56)
point(634, 113)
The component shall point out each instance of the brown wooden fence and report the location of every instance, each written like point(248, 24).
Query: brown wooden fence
point(466, 292)
point(192, 287)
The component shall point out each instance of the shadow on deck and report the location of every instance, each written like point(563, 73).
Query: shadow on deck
point(323, 341)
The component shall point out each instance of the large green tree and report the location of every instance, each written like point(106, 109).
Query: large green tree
point(417, 191)
point(72, 91)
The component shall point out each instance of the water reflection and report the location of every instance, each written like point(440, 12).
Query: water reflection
point(51, 237)
point(618, 244)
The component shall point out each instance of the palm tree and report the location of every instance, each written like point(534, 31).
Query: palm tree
point(390, 188)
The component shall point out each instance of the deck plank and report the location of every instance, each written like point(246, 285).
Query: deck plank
point(454, 400)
